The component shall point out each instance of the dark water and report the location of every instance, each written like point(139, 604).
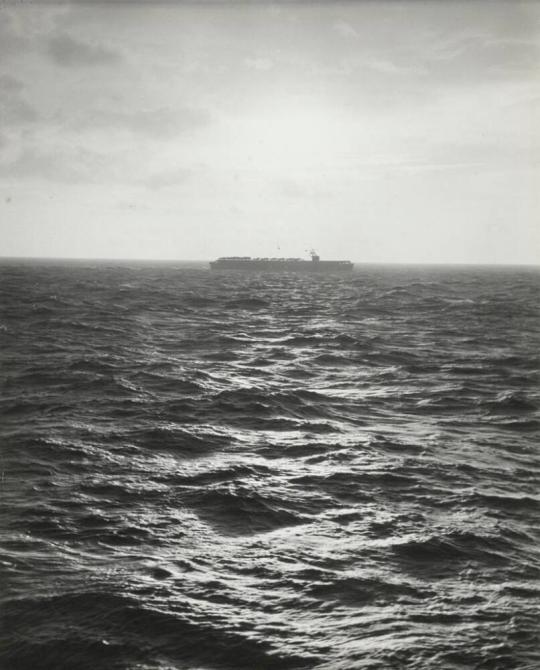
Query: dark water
point(258, 472)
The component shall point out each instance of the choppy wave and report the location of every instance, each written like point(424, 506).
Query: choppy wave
point(235, 471)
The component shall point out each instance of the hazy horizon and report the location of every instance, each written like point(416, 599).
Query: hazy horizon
point(195, 261)
point(390, 132)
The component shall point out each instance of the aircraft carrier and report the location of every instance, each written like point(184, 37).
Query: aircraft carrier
point(315, 265)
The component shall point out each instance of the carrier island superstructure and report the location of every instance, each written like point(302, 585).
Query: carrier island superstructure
point(247, 263)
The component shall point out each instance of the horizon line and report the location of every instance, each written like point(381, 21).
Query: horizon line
point(207, 260)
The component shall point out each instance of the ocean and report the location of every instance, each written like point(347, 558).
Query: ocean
point(265, 472)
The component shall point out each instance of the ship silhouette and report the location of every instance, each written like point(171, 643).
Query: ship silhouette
point(249, 264)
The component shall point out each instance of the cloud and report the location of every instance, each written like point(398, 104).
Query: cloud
point(482, 56)
point(263, 64)
point(167, 178)
point(157, 123)
point(9, 84)
point(387, 67)
point(14, 109)
point(290, 188)
point(13, 41)
point(299, 189)
point(345, 29)
point(69, 52)
point(58, 164)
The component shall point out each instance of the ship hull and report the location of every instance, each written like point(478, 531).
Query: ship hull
point(304, 267)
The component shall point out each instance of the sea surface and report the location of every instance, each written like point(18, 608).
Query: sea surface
point(262, 472)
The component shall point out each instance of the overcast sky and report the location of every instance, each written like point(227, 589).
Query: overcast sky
point(399, 131)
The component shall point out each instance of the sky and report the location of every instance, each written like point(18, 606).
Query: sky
point(378, 131)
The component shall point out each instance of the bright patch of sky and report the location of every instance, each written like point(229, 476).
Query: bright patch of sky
point(399, 131)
